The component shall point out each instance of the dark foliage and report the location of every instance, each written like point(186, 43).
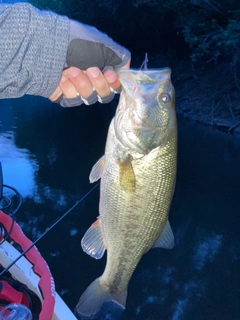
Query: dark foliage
point(211, 28)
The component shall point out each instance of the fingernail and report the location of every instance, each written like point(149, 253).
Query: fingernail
point(93, 72)
point(74, 72)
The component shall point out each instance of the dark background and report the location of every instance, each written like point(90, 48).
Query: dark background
point(47, 153)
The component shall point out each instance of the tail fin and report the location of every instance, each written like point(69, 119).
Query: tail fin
point(95, 296)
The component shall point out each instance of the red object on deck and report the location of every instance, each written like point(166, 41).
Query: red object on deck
point(8, 293)
point(40, 267)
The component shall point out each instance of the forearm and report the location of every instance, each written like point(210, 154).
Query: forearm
point(33, 46)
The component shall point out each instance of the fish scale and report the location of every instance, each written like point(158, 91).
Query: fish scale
point(138, 224)
point(138, 173)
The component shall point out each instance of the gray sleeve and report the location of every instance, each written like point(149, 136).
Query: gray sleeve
point(33, 46)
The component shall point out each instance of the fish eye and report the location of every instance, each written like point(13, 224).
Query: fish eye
point(165, 98)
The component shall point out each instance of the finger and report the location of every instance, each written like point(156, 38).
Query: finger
point(99, 82)
point(67, 87)
point(80, 81)
point(112, 79)
point(56, 94)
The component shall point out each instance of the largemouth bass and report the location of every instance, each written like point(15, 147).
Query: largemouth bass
point(137, 174)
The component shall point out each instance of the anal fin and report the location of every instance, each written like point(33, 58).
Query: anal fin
point(166, 239)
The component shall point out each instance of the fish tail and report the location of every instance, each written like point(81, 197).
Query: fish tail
point(95, 296)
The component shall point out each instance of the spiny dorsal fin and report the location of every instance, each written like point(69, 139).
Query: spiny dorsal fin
point(126, 176)
point(97, 170)
point(166, 239)
point(92, 242)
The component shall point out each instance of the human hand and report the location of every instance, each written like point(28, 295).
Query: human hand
point(75, 82)
point(94, 52)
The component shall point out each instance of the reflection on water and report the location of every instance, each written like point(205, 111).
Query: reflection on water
point(18, 167)
point(47, 154)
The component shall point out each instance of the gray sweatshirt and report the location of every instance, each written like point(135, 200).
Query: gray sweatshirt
point(33, 46)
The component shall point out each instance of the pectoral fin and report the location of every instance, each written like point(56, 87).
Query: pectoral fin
point(97, 170)
point(166, 239)
point(126, 176)
point(92, 242)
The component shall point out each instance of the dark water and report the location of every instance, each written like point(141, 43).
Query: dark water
point(47, 153)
